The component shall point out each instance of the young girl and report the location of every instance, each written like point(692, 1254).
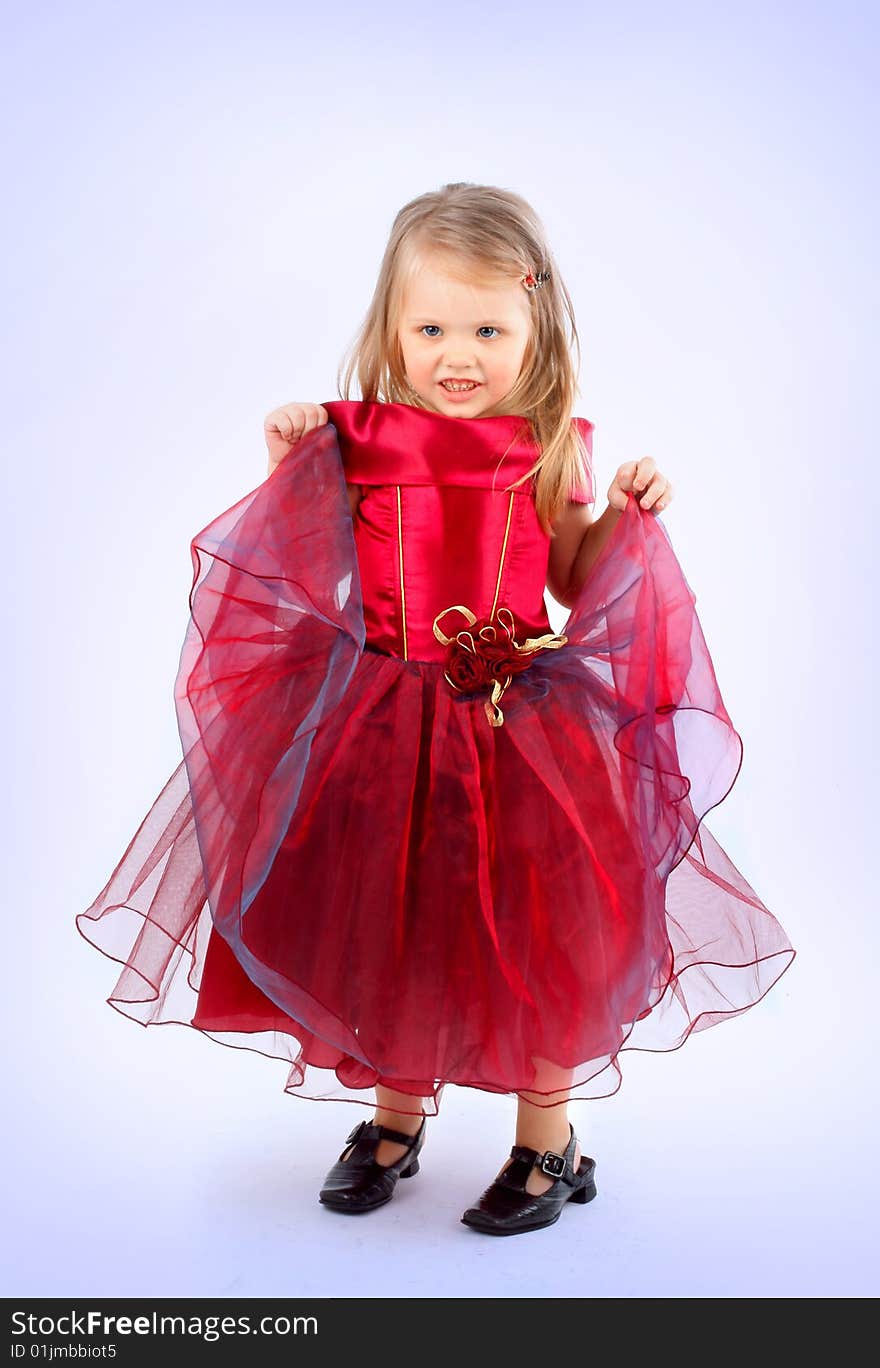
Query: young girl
point(418, 837)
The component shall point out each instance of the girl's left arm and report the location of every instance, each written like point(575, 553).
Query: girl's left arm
point(576, 543)
point(578, 539)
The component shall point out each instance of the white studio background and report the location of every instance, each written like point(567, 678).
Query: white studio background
point(197, 199)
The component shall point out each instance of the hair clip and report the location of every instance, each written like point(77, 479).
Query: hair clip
point(535, 279)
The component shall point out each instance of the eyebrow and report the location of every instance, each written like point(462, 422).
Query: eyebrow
point(485, 322)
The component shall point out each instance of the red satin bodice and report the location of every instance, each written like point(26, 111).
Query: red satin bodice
point(439, 524)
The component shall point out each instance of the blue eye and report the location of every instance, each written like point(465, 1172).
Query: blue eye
point(487, 328)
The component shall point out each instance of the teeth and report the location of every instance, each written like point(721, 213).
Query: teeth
point(455, 388)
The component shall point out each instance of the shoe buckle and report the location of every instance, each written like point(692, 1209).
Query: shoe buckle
point(553, 1164)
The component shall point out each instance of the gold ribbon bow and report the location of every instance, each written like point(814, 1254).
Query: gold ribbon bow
point(487, 653)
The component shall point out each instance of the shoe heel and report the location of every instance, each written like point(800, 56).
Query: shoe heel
point(584, 1194)
point(413, 1168)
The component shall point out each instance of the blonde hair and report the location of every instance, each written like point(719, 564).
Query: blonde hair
point(482, 230)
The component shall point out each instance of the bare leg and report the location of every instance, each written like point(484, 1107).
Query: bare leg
point(541, 1127)
point(388, 1151)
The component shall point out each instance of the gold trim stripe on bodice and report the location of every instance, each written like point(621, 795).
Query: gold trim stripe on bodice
point(402, 589)
point(503, 549)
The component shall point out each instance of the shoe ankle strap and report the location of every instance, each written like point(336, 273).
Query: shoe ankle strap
point(371, 1130)
point(550, 1162)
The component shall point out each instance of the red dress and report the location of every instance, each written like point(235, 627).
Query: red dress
point(401, 851)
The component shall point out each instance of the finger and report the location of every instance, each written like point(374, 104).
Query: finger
point(287, 421)
point(656, 496)
point(646, 468)
point(313, 418)
point(278, 427)
point(273, 420)
point(278, 444)
point(653, 492)
point(665, 497)
point(625, 475)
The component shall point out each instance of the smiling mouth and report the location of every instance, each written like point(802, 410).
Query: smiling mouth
point(459, 386)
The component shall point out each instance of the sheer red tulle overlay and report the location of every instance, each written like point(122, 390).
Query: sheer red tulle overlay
point(352, 869)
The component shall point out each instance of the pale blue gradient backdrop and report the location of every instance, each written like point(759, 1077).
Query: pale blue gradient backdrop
point(197, 198)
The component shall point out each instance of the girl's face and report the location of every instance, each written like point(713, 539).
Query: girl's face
point(449, 330)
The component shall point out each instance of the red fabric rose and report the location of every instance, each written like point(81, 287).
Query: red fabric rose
point(486, 655)
point(479, 655)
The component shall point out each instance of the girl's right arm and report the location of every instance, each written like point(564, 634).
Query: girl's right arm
point(286, 425)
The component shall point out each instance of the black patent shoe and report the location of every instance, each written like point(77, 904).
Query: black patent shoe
point(359, 1183)
point(506, 1208)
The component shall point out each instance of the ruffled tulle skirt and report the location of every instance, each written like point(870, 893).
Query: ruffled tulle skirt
point(352, 871)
